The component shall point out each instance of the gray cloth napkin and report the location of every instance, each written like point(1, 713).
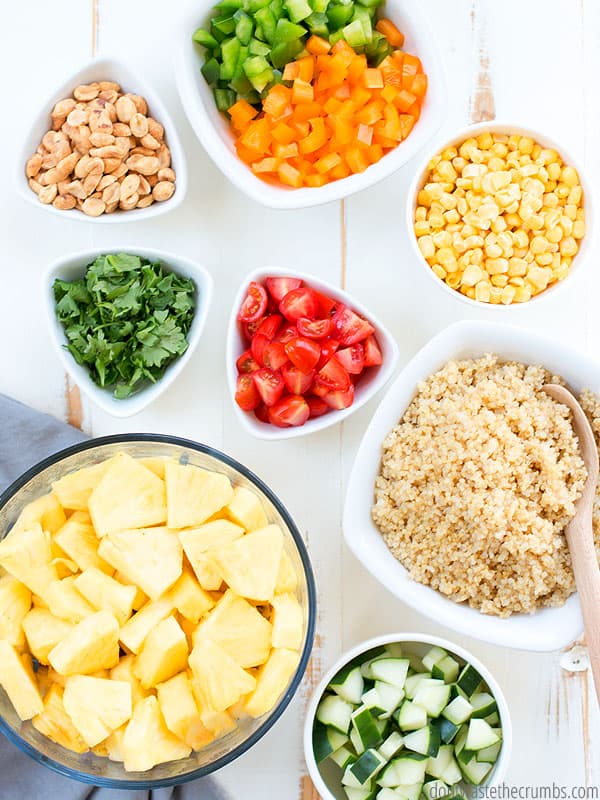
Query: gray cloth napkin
point(26, 437)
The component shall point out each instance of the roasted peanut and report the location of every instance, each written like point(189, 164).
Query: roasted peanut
point(163, 190)
point(86, 92)
point(48, 193)
point(129, 203)
point(93, 207)
point(145, 165)
point(99, 139)
point(125, 108)
point(138, 125)
point(64, 202)
point(166, 174)
point(149, 142)
point(33, 166)
point(145, 201)
point(156, 129)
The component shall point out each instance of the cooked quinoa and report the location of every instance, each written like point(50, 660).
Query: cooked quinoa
point(477, 483)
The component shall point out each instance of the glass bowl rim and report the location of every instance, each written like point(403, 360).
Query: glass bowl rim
point(119, 783)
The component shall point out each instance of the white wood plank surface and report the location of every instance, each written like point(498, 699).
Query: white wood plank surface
point(535, 63)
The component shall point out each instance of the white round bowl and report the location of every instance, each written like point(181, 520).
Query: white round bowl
point(106, 69)
point(365, 389)
point(421, 643)
point(72, 267)
point(508, 128)
point(213, 130)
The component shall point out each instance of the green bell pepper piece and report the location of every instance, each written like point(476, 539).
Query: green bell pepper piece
point(224, 98)
point(211, 70)
point(338, 15)
point(206, 39)
point(244, 26)
point(266, 19)
point(230, 50)
point(298, 9)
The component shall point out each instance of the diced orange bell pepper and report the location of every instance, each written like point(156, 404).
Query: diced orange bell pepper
point(332, 105)
point(392, 74)
point(304, 111)
point(356, 159)
point(364, 135)
point(302, 92)
point(356, 68)
point(373, 78)
point(283, 134)
point(344, 131)
point(316, 180)
point(371, 113)
point(277, 100)
point(360, 96)
point(342, 46)
point(342, 92)
point(285, 150)
point(407, 123)
point(317, 137)
point(290, 175)
point(375, 153)
point(241, 113)
point(302, 129)
point(341, 171)
point(411, 65)
point(266, 165)
point(418, 85)
point(391, 32)
point(306, 68)
point(257, 136)
point(318, 46)
point(389, 93)
point(404, 100)
point(291, 71)
point(328, 162)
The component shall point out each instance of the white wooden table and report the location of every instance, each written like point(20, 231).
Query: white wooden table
point(531, 61)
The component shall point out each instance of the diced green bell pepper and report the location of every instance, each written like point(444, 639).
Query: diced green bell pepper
point(206, 39)
point(224, 24)
point(287, 31)
point(319, 6)
point(224, 98)
point(230, 51)
point(285, 52)
point(258, 71)
point(338, 15)
point(211, 70)
point(266, 19)
point(254, 5)
point(244, 26)
point(298, 9)
point(258, 48)
point(354, 34)
point(317, 24)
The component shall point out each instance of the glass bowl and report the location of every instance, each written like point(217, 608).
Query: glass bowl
point(100, 771)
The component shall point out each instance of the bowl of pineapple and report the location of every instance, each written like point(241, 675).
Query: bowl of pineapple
point(157, 611)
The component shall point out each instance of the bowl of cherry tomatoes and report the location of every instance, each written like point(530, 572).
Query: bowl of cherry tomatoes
point(302, 354)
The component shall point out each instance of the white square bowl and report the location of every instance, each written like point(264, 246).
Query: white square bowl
point(106, 69)
point(214, 132)
point(545, 630)
point(365, 389)
point(72, 267)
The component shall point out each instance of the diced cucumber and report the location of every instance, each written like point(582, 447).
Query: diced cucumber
point(480, 735)
point(389, 777)
point(356, 741)
point(458, 710)
point(469, 679)
point(489, 754)
point(432, 698)
point(410, 717)
point(392, 745)
point(365, 724)
point(483, 704)
point(390, 670)
point(412, 682)
point(335, 712)
point(448, 730)
point(326, 741)
point(456, 691)
point(394, 649)
point(425, 740)
point(410, 792)
point(371, 699)
point(493, 719)
point(447, 669)
point(367, 766)
point(349, 684)
point(387, 794)
point(476, 772)
point(343, 757)
point(432, 657)
point(390, 697)
point(437, 766)
point(460, 751)
point(350, 779)
point(359, 794)
point(452, 774)
point(410, 768)
point(434, 790)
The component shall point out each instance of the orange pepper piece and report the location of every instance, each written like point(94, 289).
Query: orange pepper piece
point(394, 36)
point(318, 46)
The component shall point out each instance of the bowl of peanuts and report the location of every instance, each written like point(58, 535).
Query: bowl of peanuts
point(500, 215)
point(103, 149)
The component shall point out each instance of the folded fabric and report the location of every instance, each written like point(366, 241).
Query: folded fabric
point(26, 437)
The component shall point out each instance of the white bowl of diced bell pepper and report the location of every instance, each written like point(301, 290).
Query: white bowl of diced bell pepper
point(407, 716)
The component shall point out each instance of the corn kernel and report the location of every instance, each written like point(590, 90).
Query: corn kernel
point(561, 273)
point(436, 221)
point(482, 291)
point(535, 153)
point(499, 280)
point(571, 211)
point(472, 275)
point(453, 280)
point(550, 200)
point(496, 266)
point(516, 281)
point(508, 295)
point(426, 246)
point(446, 171)
point(544, 259)
point(445, 256)
point(526, 145)
point(539, 277)
point(498, 225)
point(522, 294)
point(493, 251)
point(575, 195)
point(562, 191)
point(555, 235)
point(569, 176)
point(439, 271)
point(449, 153)
point(548, 156)
point(452, 216)
point(553, 171)
point(462, 206)
point(567, 225)
point(495, 295)
point(568, 246)
point(433, 162)
point(424, 198)
point(539, 244)
point(422, 228)
point(469, 291)
point(578, 229)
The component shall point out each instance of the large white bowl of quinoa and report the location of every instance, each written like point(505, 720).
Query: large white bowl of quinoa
point(465, 479)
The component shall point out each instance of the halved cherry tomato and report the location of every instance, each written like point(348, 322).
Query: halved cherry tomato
point(254, 304)
point(328, 348)
point(298, 303)
point(286, 333)
point(262, 412)
point(314, 328)
point(274, 355)
point(303, 353)
point(348, 327)
point(352, 358)
point(269, 384)
point(247, 363)
point(326, 303)
point(373, 357)
point(278, 287)
point(339, 399)
point(296, 381)
point(269, 326)
point(250, 328)
point(259, 342)
point(317, 406)
point(246, 393)
point(333, 376)
point(290, 411)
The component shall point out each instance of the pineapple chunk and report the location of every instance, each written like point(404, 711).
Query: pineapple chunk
point(44, 631)
point(198, 545)
point(137, 628)
point(124, 672)
point(91, 645)
point(26, 555)
point(194, 494)
point(64, 601)
point(128, 496)
point(163, 654)
point(287, 580)
point(105, 593)
point(218, 723)
point(245, 508)
point(221, 681)
point(45, 511)
point(239, 629)
point(65, 568)
point(140, 598)
point(114, 744)
point(273, 678)
point(18, 681)
point(189, 599)
point(74, 490)
point(147, 741)
point(156, 464)
point(56, 724)
point(97, 706)
point(149, 557)
point(288, 622)
point(15, 602)
point(250, 565)
point(77, 538)
point(181, 713)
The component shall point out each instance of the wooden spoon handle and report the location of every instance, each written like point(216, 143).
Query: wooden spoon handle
point(587, 577)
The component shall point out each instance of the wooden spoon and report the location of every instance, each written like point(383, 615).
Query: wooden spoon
point(579, 531)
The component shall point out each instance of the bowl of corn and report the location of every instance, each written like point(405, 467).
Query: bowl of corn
point(500, 215)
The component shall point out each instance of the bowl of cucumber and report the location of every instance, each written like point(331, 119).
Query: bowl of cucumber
point(407, 716)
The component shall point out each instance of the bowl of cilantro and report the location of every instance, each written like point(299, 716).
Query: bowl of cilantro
point(125, 322)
